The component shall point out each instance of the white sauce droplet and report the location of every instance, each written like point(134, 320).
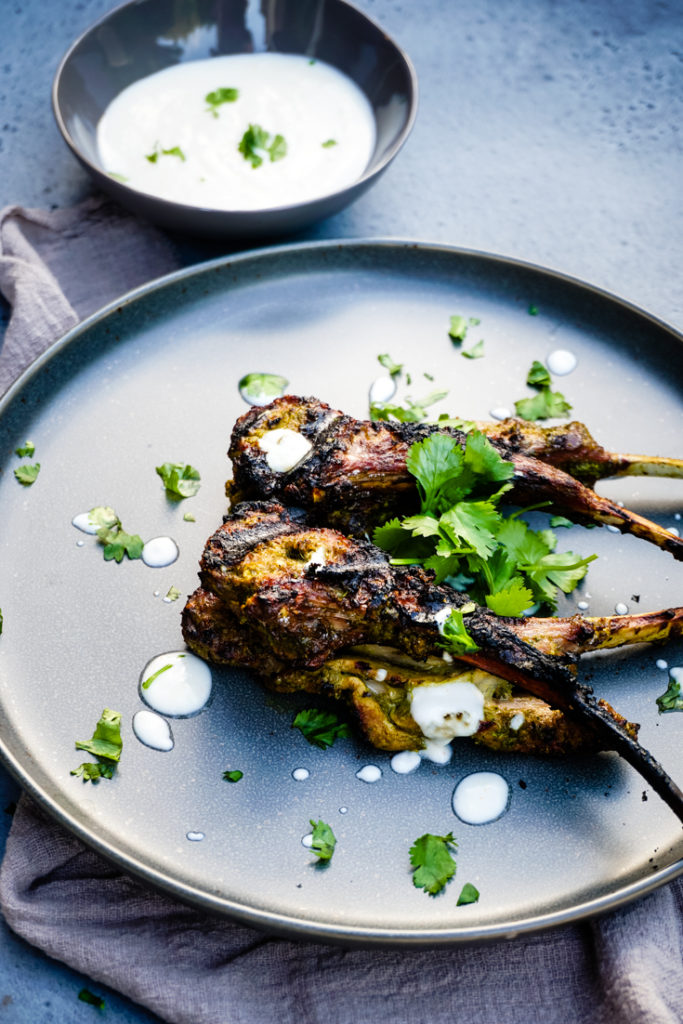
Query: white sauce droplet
point(195, 837)
point(447, 657)
point(83, 522)
point(319, 557)
point(160, 552)
point(405, 762)
point(80, 543)
point(178, 691)
point(500, 413)
point(343, 810)
point(300, 774)
point(517, 721)
point(369, 773)
point(621, 608)
point(436, 752)
point(675, 531)
point(613, 529)
point(582, 606)
point(561, 362)
point(481, 797)
point(152, 730)
point(661, 664)
point(284, 448)
point(307, 840)
point(677, 516)
point(445, 710)
point(382, 390)
point(307, 103)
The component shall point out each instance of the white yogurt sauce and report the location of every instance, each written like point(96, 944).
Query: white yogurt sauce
point(382, 389)
point(662, 664)
point(369, 773)
point(446, 710)
point(152, 730)
point(159, 552)
point(500, 413)
point(181, 685)
point(307, 840)
point(481, 797)
point(676, 674)
point(621, 608)
point(194, 837)
point(517, 721)
point(307, 102)
point(284, 448)
point(405, 762)
point(561, 362)
point(83, 522)
point(300, 774)
point(437, 752)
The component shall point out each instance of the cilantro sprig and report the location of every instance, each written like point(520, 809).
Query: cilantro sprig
point(672, 699)
point(320, 728)
point(546, 404)
point(260, 388)
point(433, 862)
point(256, 141)
point(105, 744)
point(111, 534)
point(462, 534)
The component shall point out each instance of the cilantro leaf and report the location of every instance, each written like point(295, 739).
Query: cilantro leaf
point(233, 776)
point(468, 894)
point(320, 728)
point(259, 388)
point(257, 140)
point(414, 411)
point(104, 516)
point(189, 518)
point(324, 840)
point(158, 151)
point(172, 594)
point(432, 861)
point(474, 522)
point(556, 521)
point(93, 772)
point(392, 368)
point(476, 352)
point(329, 143)
point(671, 700)
point(27, 474)
point(538, 376)
point(533, 310)
point(219, 96)
point(118, 543)
point(106, 740)
point(545, 405)
point(454, 632)
point(86, 996)
point(180, 481)
point(512, 599)
point(458, 328)
point(26, 450)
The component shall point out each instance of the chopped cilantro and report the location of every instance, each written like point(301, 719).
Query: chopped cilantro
point(27, 474)
point(172, 594)
point(461, 534)
point(158, 151)
point(189, 518)
point(321, 728)
point(256, 140)
point(458, 328)
point(546, 404)
point(672, 700)
point(233, 776)
point(392, 368)
point(533, 310)
point(146, 683)
point(219, 96)
point(414, 411)
point(432, 861)
point(556, 521)
point(180, 481)
point(468, 894)
point(476, 352)
point(106, 745)
point(117, 177)
point(324, 840)
point(26, 450)
point(86, 996)
point(258, 387)
point(329, 143)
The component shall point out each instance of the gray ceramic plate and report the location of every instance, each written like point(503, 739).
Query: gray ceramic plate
point(153, 379)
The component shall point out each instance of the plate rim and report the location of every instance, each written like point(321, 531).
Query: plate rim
point(276, 922)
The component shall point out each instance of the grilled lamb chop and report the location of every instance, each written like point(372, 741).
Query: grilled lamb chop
point(352, 473)
point(305, 595)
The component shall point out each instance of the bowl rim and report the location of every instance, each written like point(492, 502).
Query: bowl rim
point(123, 188)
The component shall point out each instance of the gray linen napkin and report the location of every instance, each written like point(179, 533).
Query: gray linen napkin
point(189, 968)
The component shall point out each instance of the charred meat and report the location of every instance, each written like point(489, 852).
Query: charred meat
point(351, 474)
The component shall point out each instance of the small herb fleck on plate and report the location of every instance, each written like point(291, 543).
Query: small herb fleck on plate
point(320, 728)
point(233, 776)
point(468, 894)
point(219, 96)
point(86, 996)
point(323, 840)
point(26, 450)
point(27, 474)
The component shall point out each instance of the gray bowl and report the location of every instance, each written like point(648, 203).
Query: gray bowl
point(145, 36)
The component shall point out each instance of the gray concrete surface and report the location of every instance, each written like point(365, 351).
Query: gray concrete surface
point(549, 131)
